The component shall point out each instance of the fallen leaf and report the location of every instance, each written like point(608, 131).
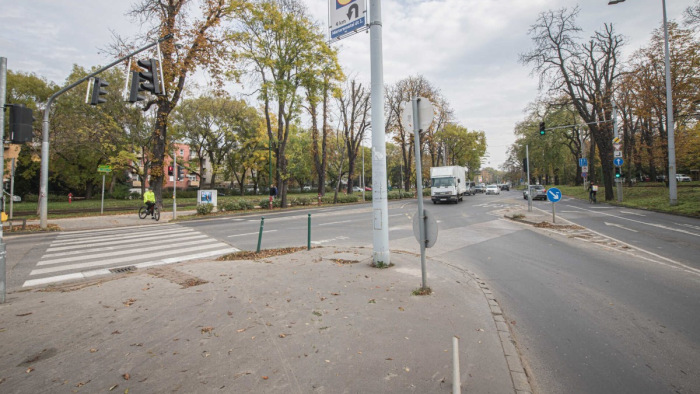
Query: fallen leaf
point(207, 330)
point(81, 384)
point(372, 301)
point(116, 332)
point(265, 377)
point(30, 369)
point(129, 302)
point(328, 361)
point(512, 322)
point(126, 376)
point(389, 359)
point(335, 294)
point(401, 309)
point(24, 314)
point(241, 330)
point(230, 313)
point(479, 329)
point(113, 387)
point(93, 350)
point(282, 335)
point(407, 369)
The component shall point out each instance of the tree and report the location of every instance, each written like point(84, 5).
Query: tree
point(465, 148)
point(199, 42)
point(585, 72)
point(354, 107)
point(281, 45)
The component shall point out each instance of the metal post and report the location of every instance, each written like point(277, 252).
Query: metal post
point(672, 186)
point(175, 174)
point(456, 380)
point(529, 191)
point(262, 224)
point(554, 218)
point(308, 238)
point(380, 205)
point(12, 187)
point(3, 90)
point(363, 172)
point(419, 187)
point(102, 205)
point(616, 133)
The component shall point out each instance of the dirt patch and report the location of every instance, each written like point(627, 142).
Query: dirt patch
point(247, 255)
point(558, 226)
point(178, 277)
point(30, 228)
point(75, 286)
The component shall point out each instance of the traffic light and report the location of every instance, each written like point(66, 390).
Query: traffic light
point(525, 164)
point(134, 95)
point(21, 119)
point(170, 170)
point(97, 91)
point(179, 172)
point(149, 78)
point(618, 172)
point(542, 129)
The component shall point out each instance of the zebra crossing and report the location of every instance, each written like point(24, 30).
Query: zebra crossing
point(85, 254)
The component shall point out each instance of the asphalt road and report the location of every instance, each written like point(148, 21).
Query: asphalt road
point(613, 308)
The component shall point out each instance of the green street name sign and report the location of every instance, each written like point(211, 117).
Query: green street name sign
point(105, 168)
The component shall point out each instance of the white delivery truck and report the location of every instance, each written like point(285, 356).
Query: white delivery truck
point(448, 183)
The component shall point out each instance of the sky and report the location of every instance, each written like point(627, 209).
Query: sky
point(468, 49)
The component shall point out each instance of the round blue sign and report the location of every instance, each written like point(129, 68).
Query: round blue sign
point(553, 194)
point(618, 161)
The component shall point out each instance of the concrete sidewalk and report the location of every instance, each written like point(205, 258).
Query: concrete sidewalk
point(312, 321)
point(109, 221)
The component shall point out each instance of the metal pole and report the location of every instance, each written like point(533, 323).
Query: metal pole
point(269, 159)
point(456, 380)
point(363, 172)
point(308, 238)
point(3, 91)
point(176, 173)
point(102, 205)
point(616, 132)
point(419, 187)
point(262, 224)
point(44, 178)
point(672, 186)
point(529, 191)
point(12, 187)
point(380, 205)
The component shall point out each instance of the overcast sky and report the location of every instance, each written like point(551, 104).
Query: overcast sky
point(466, 48)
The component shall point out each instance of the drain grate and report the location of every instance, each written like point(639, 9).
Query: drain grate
point(121, 270)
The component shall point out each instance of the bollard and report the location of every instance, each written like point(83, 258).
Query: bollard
point(270, 202)
point(308, 238)
point(456, 381)
point(262, 224)
point(319, 199)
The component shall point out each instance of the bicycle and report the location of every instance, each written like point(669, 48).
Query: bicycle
point(143, 212)
point(592, 198)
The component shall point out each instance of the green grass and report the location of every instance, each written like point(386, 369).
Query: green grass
point(653, 196)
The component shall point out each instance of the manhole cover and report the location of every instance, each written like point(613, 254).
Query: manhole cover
point(122, 269)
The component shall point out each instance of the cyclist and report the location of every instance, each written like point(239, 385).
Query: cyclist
point(150, 200)
point(592, 191)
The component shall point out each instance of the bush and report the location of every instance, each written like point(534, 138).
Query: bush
point(121, 192)
point(305, 201)
point(265, 203)
point(228, 206)
point(245, 204)
point(204, 209)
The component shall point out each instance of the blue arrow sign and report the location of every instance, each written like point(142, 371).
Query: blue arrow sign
point(582, 162)
point(618, 161)
point(553, 194)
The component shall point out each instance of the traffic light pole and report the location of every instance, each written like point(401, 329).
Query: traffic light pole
point(44, 179)
point(3, 90)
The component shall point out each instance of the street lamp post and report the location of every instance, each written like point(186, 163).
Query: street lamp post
point(672, 186)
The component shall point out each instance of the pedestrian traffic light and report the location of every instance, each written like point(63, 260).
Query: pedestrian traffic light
point(136, 88)
point(21, 120)
point(542, 129)
point(149, 78)
point(525, 164)
point(97, 91)
point(170, 170)
point(179, 172)
point(618, 172)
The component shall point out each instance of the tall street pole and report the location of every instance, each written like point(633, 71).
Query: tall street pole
point(617, 135)
point(672, 190)
point(380, 208)
point(3, 90)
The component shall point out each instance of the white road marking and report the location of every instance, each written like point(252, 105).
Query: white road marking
point(255, 233)
point(641, 222)
point(619, 226)
point(632, 213)
point(328, 224)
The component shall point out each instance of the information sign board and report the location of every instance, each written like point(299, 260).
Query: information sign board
point(346, 17)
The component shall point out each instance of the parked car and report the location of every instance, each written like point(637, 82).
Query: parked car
point(682, 178)
point(504, 186)
point(661, 178)
point(493, 189)
point(480, 188)
point(306, 188)
point(356, 189)
point(368, 189)
point(538, 192)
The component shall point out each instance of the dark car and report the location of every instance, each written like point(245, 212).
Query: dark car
point(480, 188)
point(504, 186)
point(538, 192)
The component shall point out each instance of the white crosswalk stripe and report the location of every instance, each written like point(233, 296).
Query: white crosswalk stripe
point(84, 254)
